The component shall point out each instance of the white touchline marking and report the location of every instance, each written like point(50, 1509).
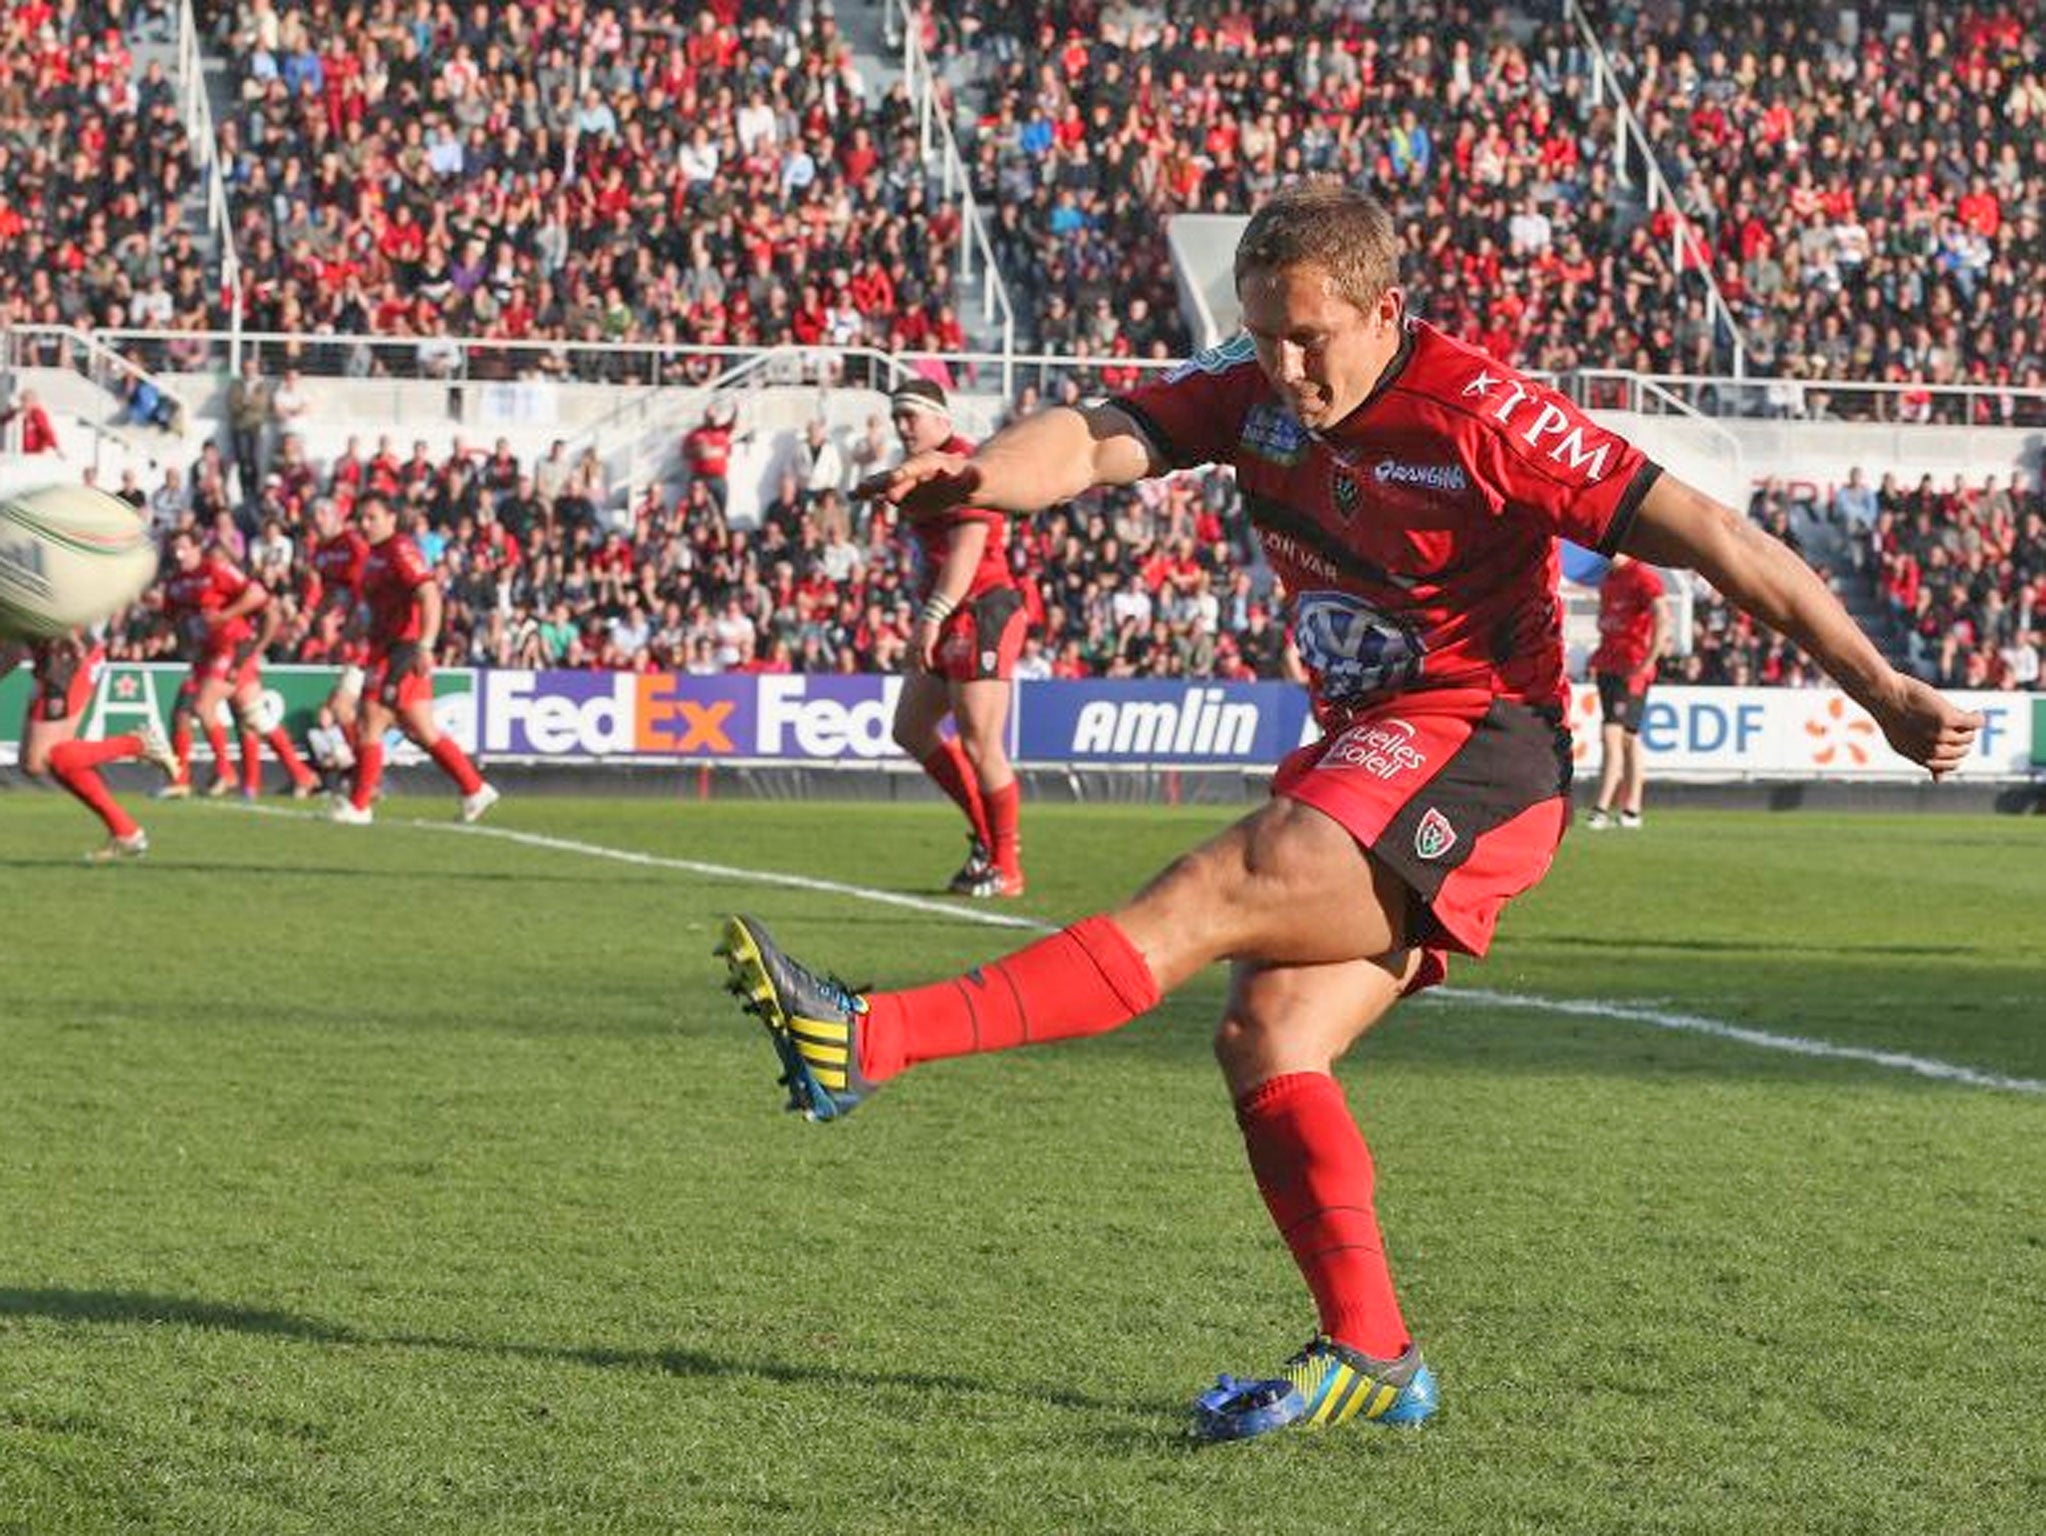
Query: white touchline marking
point(1798, 1045)
point(748, 876)
point(1589, 1008)
point(951, 909)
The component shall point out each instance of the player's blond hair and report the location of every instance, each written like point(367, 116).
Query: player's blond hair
point(1322, 222)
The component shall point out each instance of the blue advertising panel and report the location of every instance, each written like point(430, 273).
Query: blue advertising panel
point(1182, 723)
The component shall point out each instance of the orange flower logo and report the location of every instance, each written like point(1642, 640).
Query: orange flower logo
point(1838, 737)
point(1581, 710)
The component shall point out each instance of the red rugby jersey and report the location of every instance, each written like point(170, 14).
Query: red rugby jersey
point(1626, 618)
point(338, 563)
point(208, 587)
point(933, 534)
point(392, 574)
point(1417, 538)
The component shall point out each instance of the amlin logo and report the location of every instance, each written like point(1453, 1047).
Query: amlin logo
point(1426, 477)
point(1203, 724)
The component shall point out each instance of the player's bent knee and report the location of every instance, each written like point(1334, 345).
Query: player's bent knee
point(1239, 1044)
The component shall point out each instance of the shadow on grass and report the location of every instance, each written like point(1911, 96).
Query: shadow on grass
point(146, 1309)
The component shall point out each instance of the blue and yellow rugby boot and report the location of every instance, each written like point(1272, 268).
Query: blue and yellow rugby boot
point(1324, 1385)
point(813, 1020)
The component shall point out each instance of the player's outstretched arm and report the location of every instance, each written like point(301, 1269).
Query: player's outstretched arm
point(1680, 525)
point(1029, 465)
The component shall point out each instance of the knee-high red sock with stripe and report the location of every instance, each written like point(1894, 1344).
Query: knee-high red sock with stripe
point(454, 762)
point(951, 772)
point(72, 764)
point(1314, 1171)
point(1004, 814)
point(251, 746)
point(1084, 980)
point(181, 746)
point(369, 771)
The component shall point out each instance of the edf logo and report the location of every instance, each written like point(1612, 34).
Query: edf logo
point(1696, 726)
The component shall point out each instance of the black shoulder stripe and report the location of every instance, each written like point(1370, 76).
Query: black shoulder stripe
point(1630, 503)
point(1162, 447)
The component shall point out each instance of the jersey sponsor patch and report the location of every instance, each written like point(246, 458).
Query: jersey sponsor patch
point(1353, 648)
point(1546, 423)
point(1382, 748)
point(1274, 435)
point(1450, 479)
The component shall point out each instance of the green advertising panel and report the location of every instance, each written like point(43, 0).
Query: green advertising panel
point(131, 690)
point(2039, 733)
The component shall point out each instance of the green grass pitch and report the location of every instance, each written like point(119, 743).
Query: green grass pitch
point(403, 1180)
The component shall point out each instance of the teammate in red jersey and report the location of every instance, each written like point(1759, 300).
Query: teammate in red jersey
point(1633, 634)
point(337, 561)
point(403, 605)
point(1409, 491)
point(214, 606)
point(67, 671)
point(962, 656)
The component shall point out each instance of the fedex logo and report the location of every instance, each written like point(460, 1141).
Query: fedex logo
point(559, 714)
point(1504, 398)
point(687, 716)
point(794, 723)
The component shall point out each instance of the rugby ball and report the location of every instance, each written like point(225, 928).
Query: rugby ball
point(69, 555)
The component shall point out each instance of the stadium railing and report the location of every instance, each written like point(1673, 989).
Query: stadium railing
point(934, 130)
point(180, 361)
point(1631, 146)
point(198, 116)
point(1807, 399)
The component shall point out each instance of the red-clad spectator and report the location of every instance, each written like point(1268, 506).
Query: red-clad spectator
point(38, 433)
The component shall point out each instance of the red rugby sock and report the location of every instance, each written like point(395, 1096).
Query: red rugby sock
point(216, 739)
point(952, 773)
point(369, 771)
point(251, 746)
point(71, 764)
point(454, 762)
point(115, 749)
point(1004, 811)
point(287, 754)
point(1084, 980)
point(1314, 1171)
point(181, 747)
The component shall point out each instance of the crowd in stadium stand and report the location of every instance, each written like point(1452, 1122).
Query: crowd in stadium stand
point(1877, 196)
point(1962, 569)
point(1158, 581)
point(1871, 204)
point(721, 175)
point(94, 166)
point(716, 177)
